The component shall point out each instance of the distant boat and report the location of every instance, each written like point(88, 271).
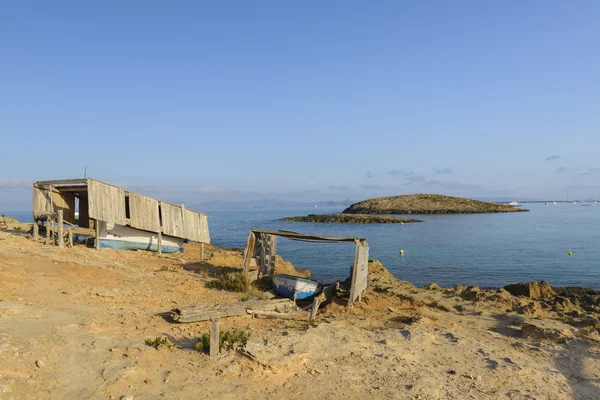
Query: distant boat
point(514, 204)
point(294, 287)
point(554, 200)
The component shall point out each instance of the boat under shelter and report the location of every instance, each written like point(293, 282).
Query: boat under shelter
point(117, 218)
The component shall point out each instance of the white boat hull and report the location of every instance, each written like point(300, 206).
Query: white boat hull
point(119, 237)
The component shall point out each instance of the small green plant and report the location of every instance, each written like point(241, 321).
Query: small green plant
point(254, 294)
point(160, 341)
point(230, 339)
point(229, 281)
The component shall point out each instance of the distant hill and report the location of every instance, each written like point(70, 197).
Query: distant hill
point(426, 204)
point(267, 204)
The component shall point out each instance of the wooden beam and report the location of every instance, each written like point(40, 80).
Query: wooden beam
point(201, 251)
point(61, 238)
point(314, 308)
point(97, 227)
point(159, 243)
point(248, 253)
point(48, 229)
point(36, 229)
point(213, 311)
point(64, 182)
point(215, 341)
point(263, 259)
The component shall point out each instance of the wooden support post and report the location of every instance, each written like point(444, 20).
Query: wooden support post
point(159, 243)
point(97, 227)
point(70, 238)
point(314, 308)
point(214, 338)
point(201, 251)
point(48, 220)
point(248, 253)
point(36, 229)
point(61, 237)
point(263, 258)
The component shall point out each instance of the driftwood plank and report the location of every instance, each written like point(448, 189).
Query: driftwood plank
point(214, 338)
point(214, 311)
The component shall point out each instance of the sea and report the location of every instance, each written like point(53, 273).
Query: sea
point(488, 250)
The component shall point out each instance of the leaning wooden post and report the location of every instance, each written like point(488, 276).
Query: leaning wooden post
point(36, 229)
point(61, 238)
point(214, 338)
point(314, 308)
point(202, 251)
point(97, 227)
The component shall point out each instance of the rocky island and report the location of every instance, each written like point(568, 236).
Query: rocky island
point(426, 204)
point(350, 219)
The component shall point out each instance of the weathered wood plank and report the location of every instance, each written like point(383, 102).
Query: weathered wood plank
point(360, 271)
point(61, 238)
point(214, 338)
point(36, 229)
point(97, 228)
point(62, 182)
point(42, 202)
point(248, 253)
point(215, 311)
point(143, 212)
point(172, 220)
point(106, 202)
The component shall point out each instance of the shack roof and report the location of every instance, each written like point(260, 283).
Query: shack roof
point(308, 238)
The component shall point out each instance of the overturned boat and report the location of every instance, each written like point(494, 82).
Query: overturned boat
point(295, 287)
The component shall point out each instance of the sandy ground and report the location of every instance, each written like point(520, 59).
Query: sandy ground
point(73, 324)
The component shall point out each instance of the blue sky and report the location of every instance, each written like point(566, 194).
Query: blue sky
point(195, 101)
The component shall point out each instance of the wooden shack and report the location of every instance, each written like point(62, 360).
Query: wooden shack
point(115, 217)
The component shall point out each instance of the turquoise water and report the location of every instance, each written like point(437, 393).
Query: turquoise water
point(488, 250)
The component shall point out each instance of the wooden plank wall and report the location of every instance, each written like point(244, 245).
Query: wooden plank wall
point(360, 271)
point(106, 202)
point(172, 220)
point(195, 226)
point(143, 212)
point(42, 201)
point(66, 203)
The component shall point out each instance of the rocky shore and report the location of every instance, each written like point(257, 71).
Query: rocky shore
point(350, 219)
point(427, 204)
point(88, 315)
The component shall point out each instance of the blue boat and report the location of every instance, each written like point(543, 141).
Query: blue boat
point(295, 287)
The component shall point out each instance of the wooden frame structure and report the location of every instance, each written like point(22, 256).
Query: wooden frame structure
point(261, 248)
point(92, 206)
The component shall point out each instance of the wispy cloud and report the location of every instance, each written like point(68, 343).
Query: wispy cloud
point(338, 187)
point(395, 172)
point(399, 173)
point(561, 170)
point(444, 171)
point(454, 185)
point(587, 173)
point(416, 178)
point(370, 174)
point(552, 157)
point(376, 187)
point(7, 183)
point(594, 170)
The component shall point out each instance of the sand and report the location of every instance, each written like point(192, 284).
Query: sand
point(73, 324)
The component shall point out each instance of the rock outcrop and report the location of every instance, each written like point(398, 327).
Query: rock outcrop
point(350, 219)
point(426, 204)
point(534, 290)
